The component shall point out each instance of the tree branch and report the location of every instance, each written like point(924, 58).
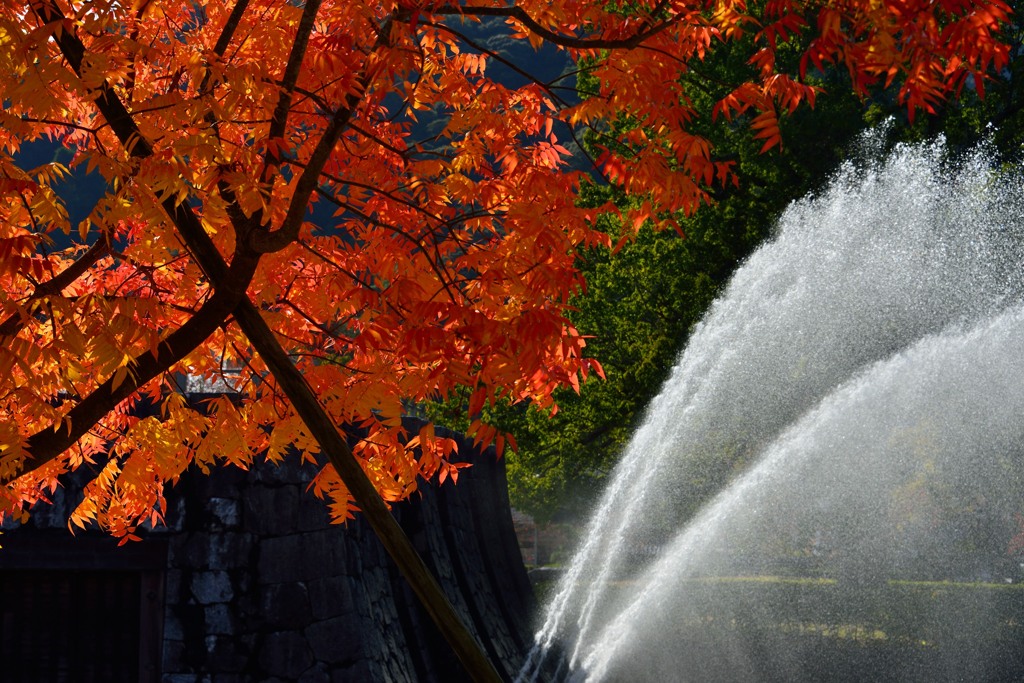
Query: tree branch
point(307, 183)
point(50, 442)
point(228, 32)
point(508, 63)
point(127, 131)
point(279, 120)
point(520, 15)
point(58, 282)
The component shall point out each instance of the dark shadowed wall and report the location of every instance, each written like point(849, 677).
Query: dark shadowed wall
point(248, 582)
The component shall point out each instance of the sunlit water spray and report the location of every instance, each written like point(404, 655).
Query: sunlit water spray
point(848, 416)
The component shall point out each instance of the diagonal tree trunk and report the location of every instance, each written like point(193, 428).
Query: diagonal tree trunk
point(359, 485)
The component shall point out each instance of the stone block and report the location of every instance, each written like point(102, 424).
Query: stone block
point(360, 671)
point(172, 627)
point(300, 557)
point(211, 587)
point(247, 606)
point(190, 616)
point(181, 678)
point(337, 640)
point(173, 657)
point(225, 512)
point(318, 673)
point(172, 586)
point(219, 620)
point(285, 654)
point(291, 470)
point(220, 482)
point(280, 560)
point(214, 550)
point(224, 654)
point(313, 514)
point(397, 670)
point(229, 550)
point(272, 510)
point(189, 550)
point(286, 606)
point(331, 597)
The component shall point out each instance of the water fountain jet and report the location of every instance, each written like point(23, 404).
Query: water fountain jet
point(845, 426)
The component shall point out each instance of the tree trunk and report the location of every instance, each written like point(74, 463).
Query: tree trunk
point(395, 541)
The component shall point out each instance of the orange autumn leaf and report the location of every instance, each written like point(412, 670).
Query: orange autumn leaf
point(403, 220)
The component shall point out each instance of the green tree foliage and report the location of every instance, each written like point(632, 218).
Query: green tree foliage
point(642, 302)
point(968, 119)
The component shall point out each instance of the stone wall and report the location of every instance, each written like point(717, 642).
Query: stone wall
point(257, 586)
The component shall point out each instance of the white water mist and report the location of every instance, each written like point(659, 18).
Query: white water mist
point(855, 390)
